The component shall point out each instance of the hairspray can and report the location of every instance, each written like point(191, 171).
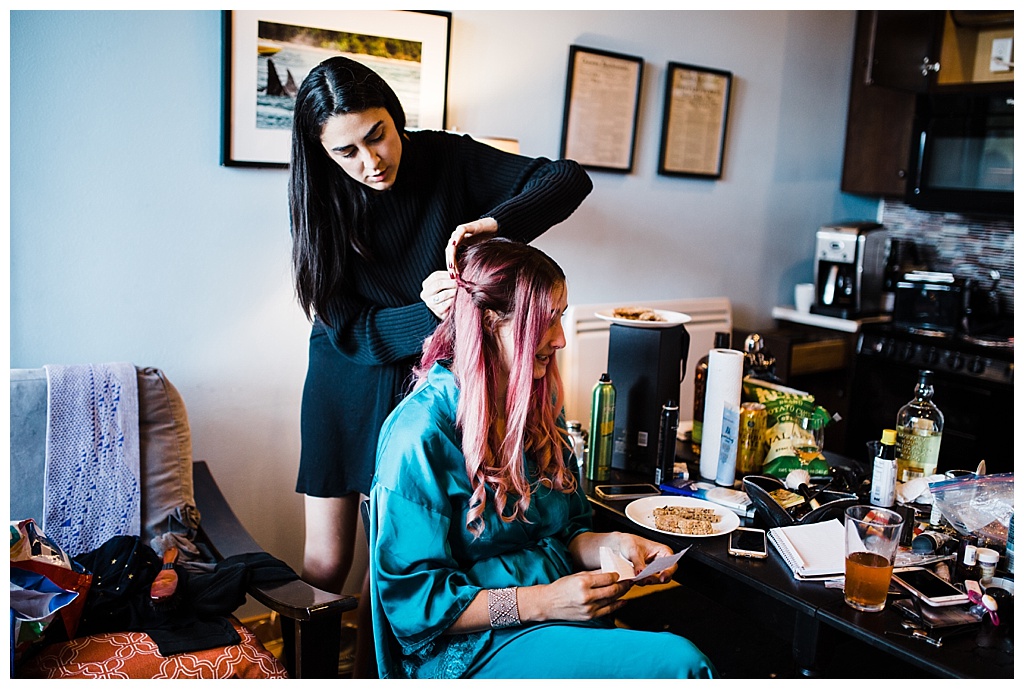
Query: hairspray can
point(666, 469)
point(602, 427)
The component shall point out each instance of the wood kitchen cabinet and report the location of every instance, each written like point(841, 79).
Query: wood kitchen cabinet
point(899, 54)
point(879, 123)
point(817, 361)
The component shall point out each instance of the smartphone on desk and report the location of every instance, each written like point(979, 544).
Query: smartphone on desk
point(748, 542)
point(627, 491)
point(928, 586)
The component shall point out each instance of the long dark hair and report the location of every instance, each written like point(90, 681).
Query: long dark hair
point(327, 206)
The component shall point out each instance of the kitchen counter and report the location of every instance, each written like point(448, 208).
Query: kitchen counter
point(846, 325)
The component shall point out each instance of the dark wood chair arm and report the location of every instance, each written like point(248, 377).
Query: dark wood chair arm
point(221, 530)
point(310, 617)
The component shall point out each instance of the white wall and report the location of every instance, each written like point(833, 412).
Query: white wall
point(129, 241)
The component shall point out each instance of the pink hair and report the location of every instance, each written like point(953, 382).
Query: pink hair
point(502, 281)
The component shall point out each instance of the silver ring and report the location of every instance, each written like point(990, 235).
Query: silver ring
point(437, 298)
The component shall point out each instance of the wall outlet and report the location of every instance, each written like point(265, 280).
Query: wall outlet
point(1002, 55)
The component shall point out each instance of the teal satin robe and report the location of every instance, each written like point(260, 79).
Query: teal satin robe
point(425, 566)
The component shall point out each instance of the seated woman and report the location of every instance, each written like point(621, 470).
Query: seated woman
point(483, 563)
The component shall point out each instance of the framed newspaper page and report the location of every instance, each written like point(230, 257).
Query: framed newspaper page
point(694, 121)
point(602, 101)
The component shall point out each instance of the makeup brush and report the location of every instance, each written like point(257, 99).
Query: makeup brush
point(797, 480)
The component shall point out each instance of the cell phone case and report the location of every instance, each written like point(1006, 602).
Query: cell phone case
point(628, 495)
point(933, 617)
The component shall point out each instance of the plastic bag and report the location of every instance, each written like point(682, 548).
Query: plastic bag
point(979, 505)
point(35, 603)
point(33, 552)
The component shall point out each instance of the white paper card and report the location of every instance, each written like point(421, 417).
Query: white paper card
point(613, 561)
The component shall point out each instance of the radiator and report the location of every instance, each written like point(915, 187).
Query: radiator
point(585, 356)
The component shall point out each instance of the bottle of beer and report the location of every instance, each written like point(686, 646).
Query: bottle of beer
point(700, 382)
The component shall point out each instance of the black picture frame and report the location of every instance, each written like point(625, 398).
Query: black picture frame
point(412, 45)
point(602, 106)
point(695, 121)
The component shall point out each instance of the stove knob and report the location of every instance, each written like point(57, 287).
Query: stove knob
point(888, 348)
point(906, 351)
point(956, 361)
point(977, 365)
point(931, 356)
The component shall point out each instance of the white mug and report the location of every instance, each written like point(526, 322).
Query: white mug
point(803, 295)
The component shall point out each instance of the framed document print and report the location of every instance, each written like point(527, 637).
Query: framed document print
point(268, 53)
point(602, 100)
point(694, 122)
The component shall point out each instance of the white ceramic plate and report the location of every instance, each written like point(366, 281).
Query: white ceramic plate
point(641, 511)
point(671, 318)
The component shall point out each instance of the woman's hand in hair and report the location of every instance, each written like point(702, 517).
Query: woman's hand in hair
point(438, 293)
point(467, 233)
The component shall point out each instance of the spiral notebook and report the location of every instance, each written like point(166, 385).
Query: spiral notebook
point(812, 551)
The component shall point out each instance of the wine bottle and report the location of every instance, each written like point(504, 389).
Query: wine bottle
point(918, 433)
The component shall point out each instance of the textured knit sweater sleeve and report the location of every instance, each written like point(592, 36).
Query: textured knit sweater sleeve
point(444, 180)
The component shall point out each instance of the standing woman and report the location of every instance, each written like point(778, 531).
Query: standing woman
point(376, 211)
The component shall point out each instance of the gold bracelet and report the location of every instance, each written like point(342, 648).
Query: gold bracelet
point(503, 607)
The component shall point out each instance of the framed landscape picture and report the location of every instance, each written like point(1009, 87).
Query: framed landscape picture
point(268, 53)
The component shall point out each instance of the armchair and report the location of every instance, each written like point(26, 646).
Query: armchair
point(174, 491)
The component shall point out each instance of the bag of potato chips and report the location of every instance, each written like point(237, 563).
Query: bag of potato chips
point(783, 404)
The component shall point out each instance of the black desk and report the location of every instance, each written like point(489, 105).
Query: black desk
point(805, 611)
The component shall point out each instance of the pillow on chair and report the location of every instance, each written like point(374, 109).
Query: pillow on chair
point(165, 448)
point(165, 445)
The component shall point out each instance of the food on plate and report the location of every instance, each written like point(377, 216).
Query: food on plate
point(689, 521)
point(637, 313)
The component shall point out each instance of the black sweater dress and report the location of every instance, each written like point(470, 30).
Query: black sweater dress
point(360, 367)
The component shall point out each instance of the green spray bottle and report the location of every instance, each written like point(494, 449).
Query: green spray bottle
point(602, 427)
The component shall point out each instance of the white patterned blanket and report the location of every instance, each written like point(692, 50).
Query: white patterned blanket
point(91, 490)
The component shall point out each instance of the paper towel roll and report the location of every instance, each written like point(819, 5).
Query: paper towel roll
point(724, 386)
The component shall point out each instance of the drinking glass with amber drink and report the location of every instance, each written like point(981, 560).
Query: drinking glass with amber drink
point(872, 537)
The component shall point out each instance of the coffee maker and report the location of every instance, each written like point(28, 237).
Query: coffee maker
point(646, 365)
point(849, 263)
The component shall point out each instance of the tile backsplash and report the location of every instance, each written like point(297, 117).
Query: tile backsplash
point(967, 246)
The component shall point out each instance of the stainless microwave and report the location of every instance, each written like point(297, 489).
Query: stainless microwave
point(961, 157)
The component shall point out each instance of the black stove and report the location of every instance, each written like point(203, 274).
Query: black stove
point(984, 356)
point(973, 381)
